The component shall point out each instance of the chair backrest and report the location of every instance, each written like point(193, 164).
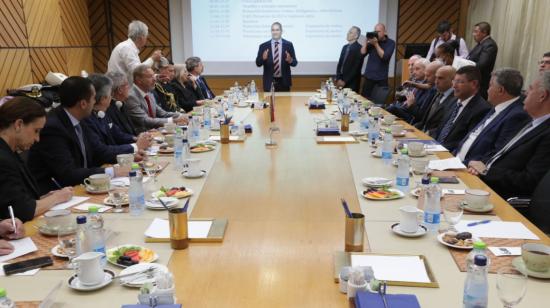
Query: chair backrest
point(379, 95)
point(539, 209)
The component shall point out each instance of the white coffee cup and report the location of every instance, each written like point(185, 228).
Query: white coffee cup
point(170, 127)
point(192, 166)
point(374, 111)
point(90, 271)
point(477, 198)
point(397, 129)
point(56, 219)
point(389, 119)
point(98, 182)
point(536, 256)
point(410, 217)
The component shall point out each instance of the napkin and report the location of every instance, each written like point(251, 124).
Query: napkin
point(366, 299)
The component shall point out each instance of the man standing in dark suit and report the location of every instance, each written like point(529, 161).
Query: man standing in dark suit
point(501, 123)
point(468, 111)
point(484, 54)
point(348, 71)
point(438, 107)
point(276, 56)
point(64, 152)
point(517, 168)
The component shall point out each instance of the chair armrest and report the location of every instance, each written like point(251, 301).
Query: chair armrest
point(517, 202)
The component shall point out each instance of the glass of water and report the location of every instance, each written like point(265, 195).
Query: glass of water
point(67, 246)
point(511, 286)
point(453, 213)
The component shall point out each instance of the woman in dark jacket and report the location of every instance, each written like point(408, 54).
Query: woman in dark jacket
point(185, 97)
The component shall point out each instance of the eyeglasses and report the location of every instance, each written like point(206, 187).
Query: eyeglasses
point(544, 62)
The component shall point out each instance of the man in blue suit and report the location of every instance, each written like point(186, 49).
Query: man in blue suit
point(502, 122)
point(276, 56)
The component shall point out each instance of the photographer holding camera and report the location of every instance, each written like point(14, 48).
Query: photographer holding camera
point(379, 49)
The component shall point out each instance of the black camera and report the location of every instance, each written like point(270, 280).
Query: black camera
point(373, 34)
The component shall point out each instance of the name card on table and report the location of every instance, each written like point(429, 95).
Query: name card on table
point(336, 139)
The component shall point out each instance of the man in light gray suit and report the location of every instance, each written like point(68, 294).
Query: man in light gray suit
point(141, 106)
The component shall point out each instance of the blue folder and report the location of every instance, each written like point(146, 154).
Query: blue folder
point(366, 299)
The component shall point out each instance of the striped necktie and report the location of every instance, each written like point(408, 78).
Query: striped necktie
point(449, 124)
point(276, 62)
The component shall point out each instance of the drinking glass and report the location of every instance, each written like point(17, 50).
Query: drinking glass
point(150, 165)
point(511, 286)
point(67, 246)
point(453, 213)
point(116, 196)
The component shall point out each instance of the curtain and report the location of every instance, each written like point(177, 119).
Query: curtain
point(520, 28)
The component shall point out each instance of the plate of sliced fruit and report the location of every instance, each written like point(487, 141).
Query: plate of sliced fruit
point(128, 255)
point(202, 147)
point(382, 194)
point(176, 192)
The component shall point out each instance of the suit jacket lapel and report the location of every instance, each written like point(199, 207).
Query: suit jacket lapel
point(530, 135)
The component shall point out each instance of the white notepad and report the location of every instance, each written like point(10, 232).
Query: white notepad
point(74, 201)
point(21, 247)
point(338, 139)
point(445, 164)
point(394, 268)
point(160, 228)
point(497, 229)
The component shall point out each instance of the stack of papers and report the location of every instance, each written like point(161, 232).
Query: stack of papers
point(446, 164)
point(74, 201)
point(85, 206)
point(337, 139)
point(497, 229)
point(160, 228)
point(436, 148)
point(21, 247)
point(394, 268)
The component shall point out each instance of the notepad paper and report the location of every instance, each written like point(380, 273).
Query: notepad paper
point(160, 228)
point(445, 164)
point(394, 268)
point(436, 148)
point(21, 247)
point(497, 229)
point(338, 139)
point(74, 201)
point(85, 207)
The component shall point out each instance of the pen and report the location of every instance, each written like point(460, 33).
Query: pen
point(478, 223)
point(346, 208)
point(12, 219)
point(186, 205)
point(56, 183)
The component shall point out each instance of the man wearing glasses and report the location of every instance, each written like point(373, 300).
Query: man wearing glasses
point(544, 64)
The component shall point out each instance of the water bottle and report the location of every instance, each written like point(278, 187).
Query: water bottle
point(186, 152)
point(403, 167)
point(480, 248)
point(81, 236)
point(354, 112)
point(96, 233)
point(136, 195)
point(178, 150)
point(5, 302)
point(476, 287)
point(207, 118)
point(432, 205)
point(253, 91)
point(196, 132)
point(374, 131)
point(364, 122)
point(240, 129)
point(387, 147)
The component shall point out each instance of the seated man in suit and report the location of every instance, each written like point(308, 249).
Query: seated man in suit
point(105, 136)
point(162, 92)
point(64, 152)
point(501, 123)
point(544, 64)
point(195, 68)
point(468, 111)
point(184, 89)
point(439, 105)
point(119, 94)
point(21, 120)
point(276, 56)
point(516, 169)
point(348, 70)
point(141, 106)
point(484, 54)
point(7, 233)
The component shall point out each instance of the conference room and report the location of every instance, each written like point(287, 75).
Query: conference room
point(243, 153)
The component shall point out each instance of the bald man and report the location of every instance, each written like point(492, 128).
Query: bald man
point(379, 50)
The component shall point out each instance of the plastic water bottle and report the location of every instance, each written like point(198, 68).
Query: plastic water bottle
point(178, 150)
point(476, 288)
point(5, 302)
point(185, 152)
point(354, 112)
point(374, 131)
point(81, 236)
point(364, 122)
point(207, 118)
point(136, 195)
point(240, 129)
point(387, 147)
point(253, 91)
point(432, 205)
point(403, 167)
point(96, 233)
point(480, 248)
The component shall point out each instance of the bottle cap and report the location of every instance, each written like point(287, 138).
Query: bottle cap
point(388, 130)
point(93, 209)
point(434, 180)
point(80, 219)
point(135, 166)
point(3, 292)
point(133, 173)
point(480, 245)
point(425, 180)
point(404, 151)
point(480, 260)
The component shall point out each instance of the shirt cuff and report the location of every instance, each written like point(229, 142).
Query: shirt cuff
point(135, 147)
point(110, 171)
point(170, 120)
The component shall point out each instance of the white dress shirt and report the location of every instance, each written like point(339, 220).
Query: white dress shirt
point(474, 134)
point(125, 57)
point(459, 62)
point(462, 48)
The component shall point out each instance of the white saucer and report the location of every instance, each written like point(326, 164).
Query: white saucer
point(486, 208)
point(401, 134)
point(75, 284)
point(56, 253)
point(376, 181)
point(422, 230)
point(154, 204)
point(521, 267)
point(358, 133)
point(194, 176)
point(96, 192)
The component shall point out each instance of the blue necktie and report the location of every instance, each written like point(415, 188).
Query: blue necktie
point(80, 137)
point(203, 87)
point(448, 125)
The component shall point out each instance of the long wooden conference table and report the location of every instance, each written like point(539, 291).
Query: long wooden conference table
point(285, 222)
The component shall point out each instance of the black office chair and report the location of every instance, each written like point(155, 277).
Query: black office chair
point(536, 209)
point(379, 95)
